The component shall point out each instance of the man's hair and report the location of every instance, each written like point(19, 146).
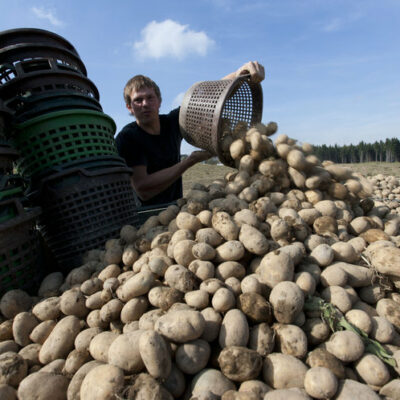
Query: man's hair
point(138, 82)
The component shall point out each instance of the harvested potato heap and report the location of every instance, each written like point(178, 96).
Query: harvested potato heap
point(279, 282)
point(387, 190)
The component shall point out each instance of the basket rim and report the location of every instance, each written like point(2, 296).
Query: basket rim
point(71, 112)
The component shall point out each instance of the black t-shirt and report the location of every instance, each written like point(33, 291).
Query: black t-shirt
point(157, 152)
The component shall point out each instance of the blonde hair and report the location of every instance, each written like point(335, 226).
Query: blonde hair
point(139, 82)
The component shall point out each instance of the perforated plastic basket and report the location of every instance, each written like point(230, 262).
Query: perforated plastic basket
point(210, 109)
point(15, 93)
point(8, 155)
point(20, 60)
point(33, 35)
point(61, 137)
point(36, 105)
point(20, 253)
point(81, 206)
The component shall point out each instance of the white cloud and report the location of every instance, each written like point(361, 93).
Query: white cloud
point(171, 39)
point(42, 13)
point(178, 100)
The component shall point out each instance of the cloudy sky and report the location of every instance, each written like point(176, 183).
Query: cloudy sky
point(332, 66)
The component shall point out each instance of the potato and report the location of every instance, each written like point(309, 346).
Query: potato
point(185, 220)
point(13, 302)
point(137, 285)
point(209, 236)
point(155, 354)
point(234, 329)
point(253, 240)
point(275, 267)
point(22, 327)
point(291, 340)
point(193, 356)
point(202, 269)
point(390, 310)
point(232, 250)
point(111, 311)
point(287, 300)
point(297, 160)
point(212, 324)
point(351, 389)
point(181, 326)
point(256, 387)
point(43, 385)
point(262, 339)
point(197, 299)
point(13, 368)
point(390, 390)
point(6, 330)
point(83, 339)
point(99, 345)
point(8, 345)
point(387, 261)
point(360, 319)
point(320, 383)
point(74, 361)
point(347, 346)
point(111, 271)
point(61, 340)
point(101, 383)
point(47, 309)
point(7, 392)
point(239, 363)
point(372, 370)
point(225, 225)
point(149, 318)
point(337, 296)
point(93, 320)
point(223, 300)
point(203, 251)
point(42, 331)
point(144, 386)
point(51, 284)
point(382, 330)
point(180, 278)
point(212, 381)
point(282, 371)
point(72, 302)
point(255, 307)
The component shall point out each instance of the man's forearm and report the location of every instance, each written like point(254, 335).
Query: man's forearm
point(157, 182)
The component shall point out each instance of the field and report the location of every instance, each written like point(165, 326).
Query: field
point(205, 173)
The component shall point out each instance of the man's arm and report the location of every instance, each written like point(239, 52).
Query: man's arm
point(149, 185)
point(256, 71)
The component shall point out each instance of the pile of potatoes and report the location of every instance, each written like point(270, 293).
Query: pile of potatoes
point(206, 300)
point(387, 190)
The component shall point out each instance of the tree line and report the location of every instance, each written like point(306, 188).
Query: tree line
point(382, 151)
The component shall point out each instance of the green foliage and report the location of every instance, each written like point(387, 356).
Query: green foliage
point(387, 151)
point(337, 322)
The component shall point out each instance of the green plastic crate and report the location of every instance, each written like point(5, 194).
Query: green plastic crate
point(61, 137)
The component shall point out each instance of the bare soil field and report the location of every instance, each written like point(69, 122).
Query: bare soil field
point(206, 173)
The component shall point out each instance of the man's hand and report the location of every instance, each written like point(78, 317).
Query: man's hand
point(199, 156)
point(256, 71)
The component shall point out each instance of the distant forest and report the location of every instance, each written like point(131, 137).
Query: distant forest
point(382, 151)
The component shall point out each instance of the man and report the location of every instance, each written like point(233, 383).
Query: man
point(151, 145)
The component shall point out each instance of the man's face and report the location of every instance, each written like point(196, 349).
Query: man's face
point(144, 105)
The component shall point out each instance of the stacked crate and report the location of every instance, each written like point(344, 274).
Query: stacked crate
point(65, 142)
point(20, 249)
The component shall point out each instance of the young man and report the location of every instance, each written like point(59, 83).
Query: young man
point(151, 144)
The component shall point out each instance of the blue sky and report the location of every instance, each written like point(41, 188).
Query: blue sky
point(332, 66)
